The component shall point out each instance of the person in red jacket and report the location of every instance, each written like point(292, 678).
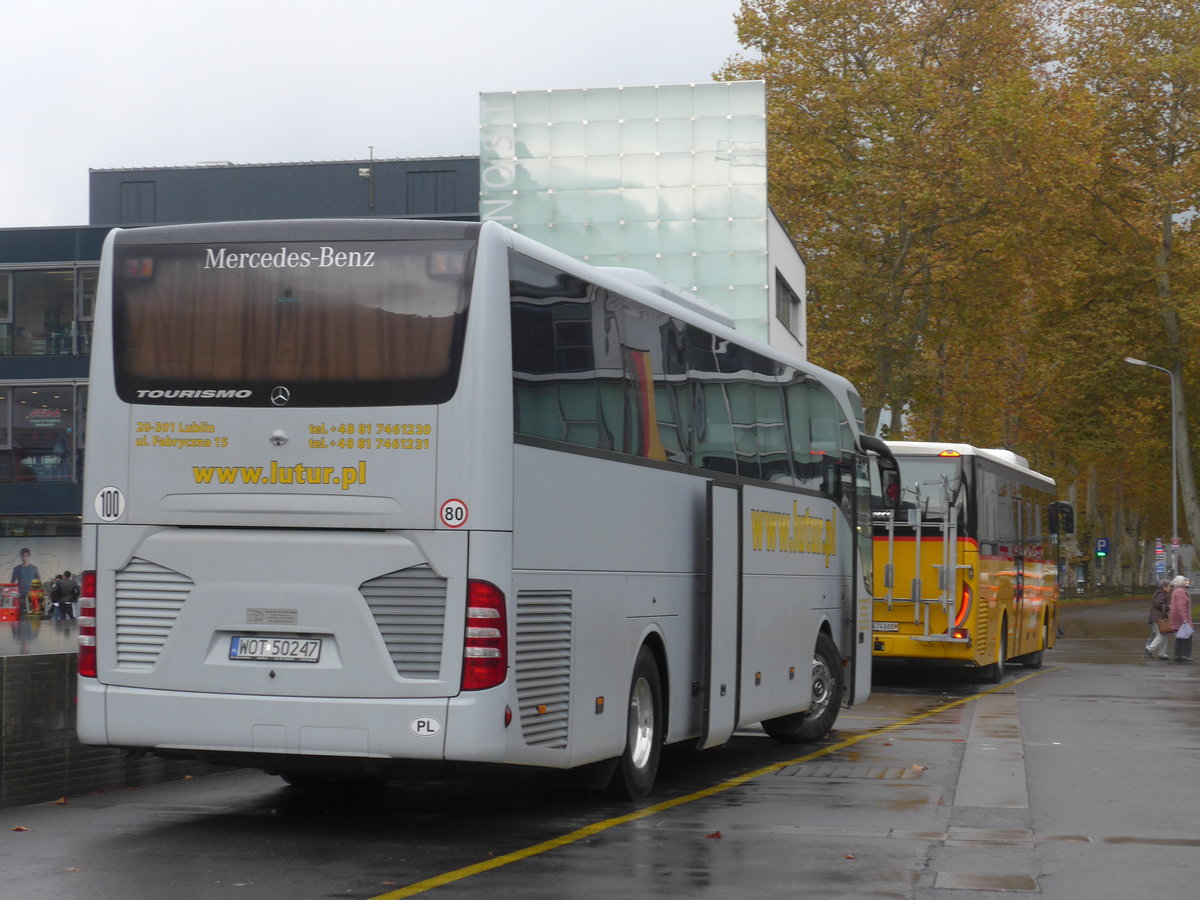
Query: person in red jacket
point(1181, 612)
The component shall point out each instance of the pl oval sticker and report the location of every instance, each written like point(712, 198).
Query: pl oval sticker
point(454, 513)
point(110, 504)
point(424, 726)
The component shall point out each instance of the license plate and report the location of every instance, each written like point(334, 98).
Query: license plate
point(887, 626)
point(274, 649)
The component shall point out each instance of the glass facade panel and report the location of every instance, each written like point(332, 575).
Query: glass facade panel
point(603, 172)
point(38, 433)
point(46, 312)
point(567, 139)
point(533, 141)
point(568, 106)
point(685, 155)
point(603, 105)
point(43, 310)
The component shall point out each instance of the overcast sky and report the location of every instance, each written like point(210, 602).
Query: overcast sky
point(134, 83)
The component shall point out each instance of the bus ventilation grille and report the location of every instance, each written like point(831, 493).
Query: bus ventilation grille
point(409, 607)
point(148, 600)
point(543, 667)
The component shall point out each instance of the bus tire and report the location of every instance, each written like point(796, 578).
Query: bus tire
point(817, 721)
point(638, 765)
point(1034, 660)
point(994, 674)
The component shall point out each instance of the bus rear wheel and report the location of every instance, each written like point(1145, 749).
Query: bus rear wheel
point(1034, 660)
point(638, 765)
point(816, 721)
point(994, 673)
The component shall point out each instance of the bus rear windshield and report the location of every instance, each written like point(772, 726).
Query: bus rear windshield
point(363, 323)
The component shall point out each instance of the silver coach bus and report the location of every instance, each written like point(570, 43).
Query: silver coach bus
point(360, 492)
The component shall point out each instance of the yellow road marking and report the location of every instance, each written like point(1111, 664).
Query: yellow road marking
point(587, 831)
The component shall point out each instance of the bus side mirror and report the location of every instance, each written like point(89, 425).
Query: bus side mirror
point(889, 481)
point(1062, 518)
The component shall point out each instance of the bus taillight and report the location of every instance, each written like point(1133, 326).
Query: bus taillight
point(87, 624)
point(485, 651)
point(964, 605)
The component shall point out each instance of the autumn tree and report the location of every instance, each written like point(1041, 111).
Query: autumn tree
point(914, 149)
point(1140, 61)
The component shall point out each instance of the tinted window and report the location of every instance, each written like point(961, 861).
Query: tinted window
point(337, 324)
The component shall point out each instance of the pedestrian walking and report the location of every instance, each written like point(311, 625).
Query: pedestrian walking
point(1160, 611)
point(1181, 618)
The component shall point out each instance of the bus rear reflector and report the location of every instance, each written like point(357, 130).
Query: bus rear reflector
point(485, 649)
point(87, 624)
point(964, 605)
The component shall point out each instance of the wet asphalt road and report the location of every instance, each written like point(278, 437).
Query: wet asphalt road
point(1078, 780)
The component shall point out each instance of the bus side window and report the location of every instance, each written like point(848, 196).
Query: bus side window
point(805, 464)
point(824, 422)
point(712, 442)
point(772, 434)
point(554, 360)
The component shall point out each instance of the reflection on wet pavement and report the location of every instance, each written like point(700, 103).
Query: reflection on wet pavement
point(30, 636)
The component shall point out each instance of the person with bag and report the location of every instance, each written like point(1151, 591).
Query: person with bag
point(1181, 618)
point(1160, 621)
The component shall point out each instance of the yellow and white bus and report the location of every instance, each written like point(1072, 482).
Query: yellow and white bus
point(967, 568)
point(363, 492)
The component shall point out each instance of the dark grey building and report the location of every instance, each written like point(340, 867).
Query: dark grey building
point(218, 192)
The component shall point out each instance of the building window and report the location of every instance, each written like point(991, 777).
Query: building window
point(40, 438)
point(46, 312)
point(5, 417)
point(38, 526)
point(787, 304)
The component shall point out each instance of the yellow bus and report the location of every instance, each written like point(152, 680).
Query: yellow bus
point(967, 569)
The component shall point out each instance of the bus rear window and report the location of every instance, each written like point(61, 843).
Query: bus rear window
point(363, 323)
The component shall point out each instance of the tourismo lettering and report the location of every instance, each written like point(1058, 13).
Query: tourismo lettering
point(206, 394)
point(283, 258)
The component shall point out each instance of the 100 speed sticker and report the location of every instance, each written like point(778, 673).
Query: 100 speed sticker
point(109, 504)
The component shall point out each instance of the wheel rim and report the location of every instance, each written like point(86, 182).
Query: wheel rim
point(641, 723)
point(822, 686)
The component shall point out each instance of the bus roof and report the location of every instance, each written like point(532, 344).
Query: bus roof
point(1006, 458)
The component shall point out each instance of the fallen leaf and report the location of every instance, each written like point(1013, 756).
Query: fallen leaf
point(61, 801)
point(19, 828)
point(716, 836)
point(917, 768)
point(187, 777)
point(849, 856)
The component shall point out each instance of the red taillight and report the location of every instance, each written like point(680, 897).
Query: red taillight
point(87, 624)
point(485, 650)
point(964, 605)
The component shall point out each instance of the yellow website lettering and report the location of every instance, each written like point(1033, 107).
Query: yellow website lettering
point(278, 473)
point(797, 532)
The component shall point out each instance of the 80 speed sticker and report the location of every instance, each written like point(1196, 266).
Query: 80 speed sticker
point(453, 513)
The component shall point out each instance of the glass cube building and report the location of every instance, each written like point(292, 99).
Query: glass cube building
point(669, 179)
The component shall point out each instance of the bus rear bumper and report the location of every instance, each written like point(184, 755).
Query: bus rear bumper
point(216, 726)
point(925, 648)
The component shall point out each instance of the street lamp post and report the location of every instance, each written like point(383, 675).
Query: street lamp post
point(1174, 466)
